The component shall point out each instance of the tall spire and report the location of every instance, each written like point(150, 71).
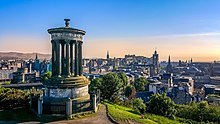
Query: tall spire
point(169, 60)
point(107, 57)
point(155, 52)
point(36, 57)
point(169, 68)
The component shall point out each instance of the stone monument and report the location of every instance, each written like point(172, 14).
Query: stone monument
point(67, 79)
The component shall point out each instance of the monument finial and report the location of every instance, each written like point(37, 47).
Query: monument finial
point(67, 22)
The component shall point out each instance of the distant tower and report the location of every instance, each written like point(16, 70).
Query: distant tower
point(36, 64)
point(36, 57)
point(107, 57)
point(155, 63)
point(169, 66)
point(180, 63)
point(191, 60)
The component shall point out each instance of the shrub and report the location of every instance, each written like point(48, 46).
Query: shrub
point(201, 112)
point(160, 104)
point(139, 105)
point(11, 98)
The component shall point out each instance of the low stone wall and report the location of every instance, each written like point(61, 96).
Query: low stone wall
point(63, 106)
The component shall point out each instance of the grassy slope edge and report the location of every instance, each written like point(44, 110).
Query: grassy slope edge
point(121, 113)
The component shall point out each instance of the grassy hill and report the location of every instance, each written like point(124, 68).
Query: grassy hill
point(122, 114)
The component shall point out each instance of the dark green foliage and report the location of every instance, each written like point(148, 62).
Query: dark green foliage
point(11, 98)
point(128, 90)
point(124, 78)
point(46, 76)
point(160, 104)
point(95, 85)
point(139, 105)
point(140, 84)
point(201, 112)
point(110, 86)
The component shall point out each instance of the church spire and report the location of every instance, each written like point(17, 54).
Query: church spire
point(107, 57)
point(169, 60)
point(169, 68)
point(36, 57)
point(155, 52)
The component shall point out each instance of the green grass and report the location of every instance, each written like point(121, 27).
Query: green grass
point(161, 119)
point(121, 113)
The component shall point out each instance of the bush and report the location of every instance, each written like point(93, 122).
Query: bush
point(139, 105)
point(160, 104)
point(11, 98)
point(201, 112)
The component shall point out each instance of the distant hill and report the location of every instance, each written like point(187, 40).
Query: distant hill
point(24, 56)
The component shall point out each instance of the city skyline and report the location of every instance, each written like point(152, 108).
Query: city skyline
point(183, 29)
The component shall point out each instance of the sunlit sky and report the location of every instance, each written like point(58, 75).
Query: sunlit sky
point(183, 29)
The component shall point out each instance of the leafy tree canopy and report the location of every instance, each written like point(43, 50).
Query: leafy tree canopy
point(140, 84)
point(139, 105)
point(128, 90)
point(46, 76)
point(95, 84)
point(110, 86)
point(160, 104)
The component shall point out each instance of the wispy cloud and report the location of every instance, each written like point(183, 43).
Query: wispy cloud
point(188, 35)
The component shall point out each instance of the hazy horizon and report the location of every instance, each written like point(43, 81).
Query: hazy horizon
point(183, 29)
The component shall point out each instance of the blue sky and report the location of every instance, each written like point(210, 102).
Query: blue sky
point(151, 23)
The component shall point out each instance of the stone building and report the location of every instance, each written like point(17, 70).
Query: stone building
point(24, 75)
point(180, 95)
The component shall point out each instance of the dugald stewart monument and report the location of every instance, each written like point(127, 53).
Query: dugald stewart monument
point(66, 92)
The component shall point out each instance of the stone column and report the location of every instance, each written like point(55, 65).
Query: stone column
point(94, 102)
point(30, 102)
point(80, 58)
point(71, 59)
point(67, 60)
point(40, 106)
point(69, 108)
point(53, 58)
point(57, 58)
point(62, 60)
point(76, 59)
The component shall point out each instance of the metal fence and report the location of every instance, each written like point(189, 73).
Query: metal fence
point(34, 102)
point(78, 107)
point(54, 107)
point(98, 98)
point(58, 105)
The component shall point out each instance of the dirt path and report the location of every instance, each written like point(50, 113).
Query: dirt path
point(99, 118)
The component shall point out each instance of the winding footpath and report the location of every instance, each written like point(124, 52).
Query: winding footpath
point(99, 118)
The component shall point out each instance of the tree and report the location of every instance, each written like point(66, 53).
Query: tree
point(140, 84)
point(95, 84)
point(46, 76)
point(139, 105)
point(128, 90)
point(160, 104)
point(202, 110)
point(110, 86)
point(123, 78)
